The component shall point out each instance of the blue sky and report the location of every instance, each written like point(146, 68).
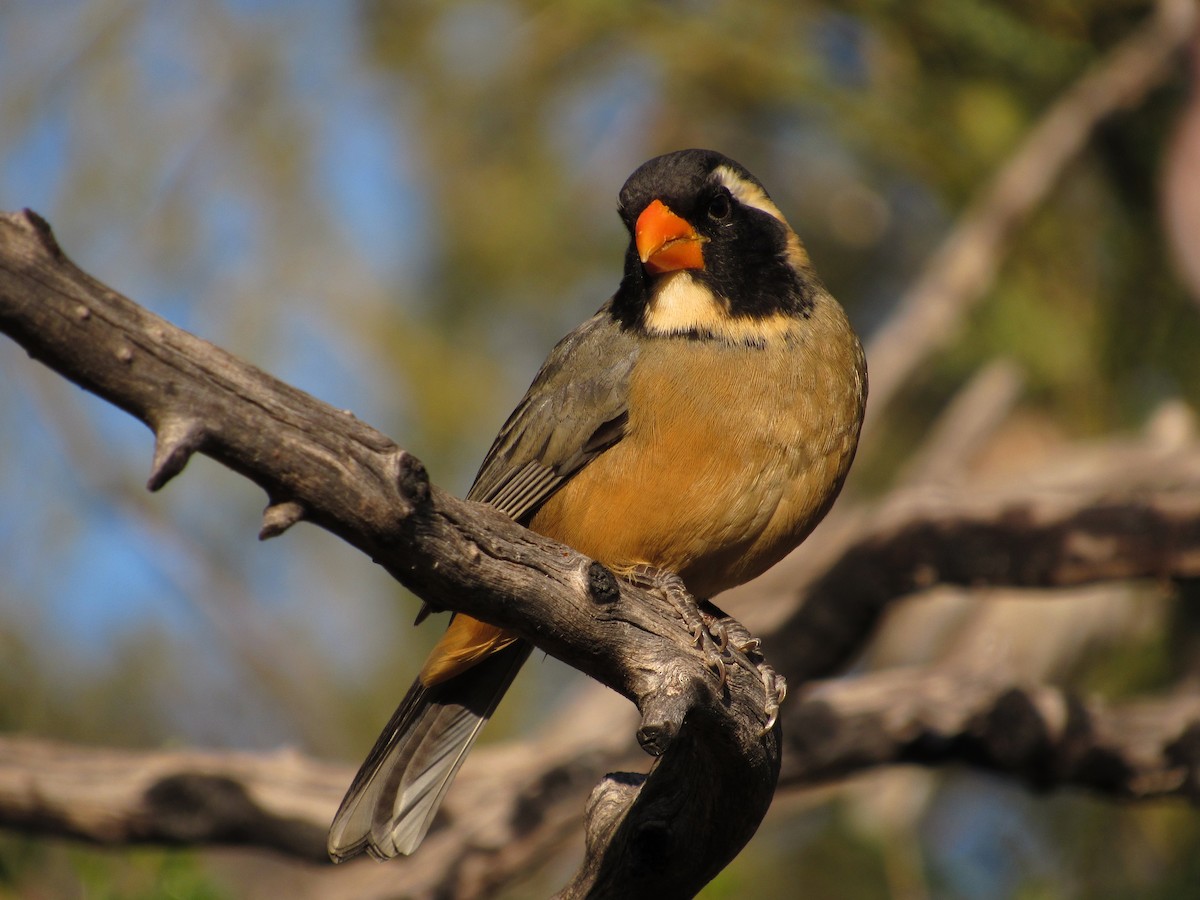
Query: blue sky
point(107, 572)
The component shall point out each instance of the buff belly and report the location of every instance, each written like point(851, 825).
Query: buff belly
point(732, 454)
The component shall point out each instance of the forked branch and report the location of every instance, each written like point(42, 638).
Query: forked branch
point(667, 833)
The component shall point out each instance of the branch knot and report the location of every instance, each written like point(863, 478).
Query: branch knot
point(602, 584)
point(412, 479)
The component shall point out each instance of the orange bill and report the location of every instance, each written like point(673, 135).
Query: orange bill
point(667, 242)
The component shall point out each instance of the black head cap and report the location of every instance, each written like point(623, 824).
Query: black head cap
point(676, 179)
point(751, 257)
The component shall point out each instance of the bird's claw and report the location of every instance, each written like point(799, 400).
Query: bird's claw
point(731, 643)
point(717, 664)
point(720, 640)
point(739, 645)
point(776, 689)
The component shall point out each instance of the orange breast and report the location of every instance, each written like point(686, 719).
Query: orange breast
point(731, 456)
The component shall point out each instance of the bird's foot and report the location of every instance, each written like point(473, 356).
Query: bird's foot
point(745, 650)
point(671, 586)
point(722, 639)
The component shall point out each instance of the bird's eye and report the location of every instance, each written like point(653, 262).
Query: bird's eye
point(720, 206)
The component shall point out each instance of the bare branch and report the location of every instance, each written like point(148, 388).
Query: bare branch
point(513, 805)
point(1040, 734)
point(1146, 750)
point(218, 596)
point(348, 478)
point(1119, 513)
point(107, 796)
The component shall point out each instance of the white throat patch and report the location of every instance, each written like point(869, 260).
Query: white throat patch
point(680, 304)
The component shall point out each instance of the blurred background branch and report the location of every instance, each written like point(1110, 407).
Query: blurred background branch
point(963, 267)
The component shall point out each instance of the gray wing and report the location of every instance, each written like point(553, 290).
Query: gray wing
point(576, 408)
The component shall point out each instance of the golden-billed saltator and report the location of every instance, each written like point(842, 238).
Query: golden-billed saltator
point(701, 423)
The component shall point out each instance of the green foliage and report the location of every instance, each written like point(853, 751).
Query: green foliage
point(37, 869)
point(820, 849)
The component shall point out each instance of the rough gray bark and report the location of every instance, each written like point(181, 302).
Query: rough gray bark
point(665, 834)
point(1137, 517)
point(1038, 734)
point(282, 801)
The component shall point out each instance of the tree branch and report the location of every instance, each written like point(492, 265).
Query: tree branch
point(1040, 734)
point(1143, 750)
point(1118, 513)
point(107, 796)
point(661, 833)
point(1137, 515)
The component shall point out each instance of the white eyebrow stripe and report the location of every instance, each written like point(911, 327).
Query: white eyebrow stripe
point(747, 194)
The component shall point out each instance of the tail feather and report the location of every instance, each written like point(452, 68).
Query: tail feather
point(398, 789)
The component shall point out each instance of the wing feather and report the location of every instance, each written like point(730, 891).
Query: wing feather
point(575, 409)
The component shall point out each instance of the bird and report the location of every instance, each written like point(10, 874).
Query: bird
point(700, 424)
